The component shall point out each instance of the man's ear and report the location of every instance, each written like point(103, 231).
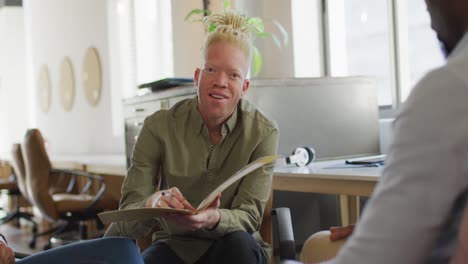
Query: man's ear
point(196, 75)
point(245, 86)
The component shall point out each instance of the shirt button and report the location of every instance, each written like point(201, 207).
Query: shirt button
point(211, 146)
point(211, 174)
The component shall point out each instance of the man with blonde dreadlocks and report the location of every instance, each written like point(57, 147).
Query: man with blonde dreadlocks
point(195, 146)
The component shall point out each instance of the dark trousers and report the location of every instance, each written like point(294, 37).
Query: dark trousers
point(112, 250)
point(236, 247)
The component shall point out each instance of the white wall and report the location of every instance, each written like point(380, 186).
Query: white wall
point(59, 28)
point(13, 93)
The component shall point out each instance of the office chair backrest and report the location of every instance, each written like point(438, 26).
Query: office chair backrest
point(18, 167)
point(38, 168)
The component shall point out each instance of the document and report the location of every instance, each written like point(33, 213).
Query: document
point(145, 213)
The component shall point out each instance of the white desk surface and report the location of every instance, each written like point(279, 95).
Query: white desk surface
point(331, 177)
point(327, 177)
point(331, 169)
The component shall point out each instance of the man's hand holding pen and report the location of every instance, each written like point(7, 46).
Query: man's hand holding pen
point(173, 198)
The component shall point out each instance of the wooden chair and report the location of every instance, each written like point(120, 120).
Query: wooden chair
point(62, 205)
point(19, 169)
point(318, 247)
point(11, 186)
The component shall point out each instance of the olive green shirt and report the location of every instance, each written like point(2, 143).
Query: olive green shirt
point(175, 145)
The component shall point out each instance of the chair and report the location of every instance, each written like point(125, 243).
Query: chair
point(16, 192)
point(284, 231)
point(18, 167)
point(318, 247)
point(10, 185)
point(61, 205)
point(12, 190)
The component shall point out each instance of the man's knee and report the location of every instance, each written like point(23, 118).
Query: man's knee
point(160, 253)
point(239, 239)
point(235, 247)
point(117, 242)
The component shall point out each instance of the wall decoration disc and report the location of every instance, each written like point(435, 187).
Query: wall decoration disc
point(44, 88)
point(92, 76)
point(67, 84)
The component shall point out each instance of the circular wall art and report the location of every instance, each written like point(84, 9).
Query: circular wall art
point(67, 84)
point(92, 76)
point(44, 89)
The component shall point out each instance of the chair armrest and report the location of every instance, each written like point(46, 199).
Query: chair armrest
point(90, 177)
point(287, 247)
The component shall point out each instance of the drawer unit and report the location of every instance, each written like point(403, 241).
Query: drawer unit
point(142, 109)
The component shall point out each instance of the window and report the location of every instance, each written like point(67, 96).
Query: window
point(307, 38)
point(153, 39)
point(423, 47)
point(390, 40)
point(359, 42)
point(121, 58)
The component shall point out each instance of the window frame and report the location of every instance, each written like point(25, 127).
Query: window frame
point(399, 52)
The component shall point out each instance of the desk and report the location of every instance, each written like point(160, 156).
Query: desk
point(99, 164)
point(326, 177)
point(330, 177)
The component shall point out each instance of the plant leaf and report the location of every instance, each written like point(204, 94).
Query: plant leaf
point(257, 62)
point(212, 27)
point(257, 23)
point(263, 34)
point(283, 31)
point(227, 4)
point(192, 12)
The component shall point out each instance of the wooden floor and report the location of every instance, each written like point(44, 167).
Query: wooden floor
point(19, 238)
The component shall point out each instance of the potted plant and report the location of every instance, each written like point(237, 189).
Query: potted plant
point(257, 27)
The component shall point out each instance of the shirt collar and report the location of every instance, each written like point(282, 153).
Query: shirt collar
point(197, 121)
point(462, 44)
point(195, 118)
point(230, 123)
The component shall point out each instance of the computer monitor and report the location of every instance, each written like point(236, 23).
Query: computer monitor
point(337, 116)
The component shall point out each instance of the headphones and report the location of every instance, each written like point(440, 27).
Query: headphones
point(300, 157)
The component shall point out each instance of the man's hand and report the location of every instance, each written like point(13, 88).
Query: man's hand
point(341, 232)
point(6, 254)
point(171, 198)
point(208, 218)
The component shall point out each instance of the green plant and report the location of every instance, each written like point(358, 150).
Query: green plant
point(257, 26)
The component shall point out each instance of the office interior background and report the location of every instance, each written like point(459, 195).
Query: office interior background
point(140, 41)
point(143, 40)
